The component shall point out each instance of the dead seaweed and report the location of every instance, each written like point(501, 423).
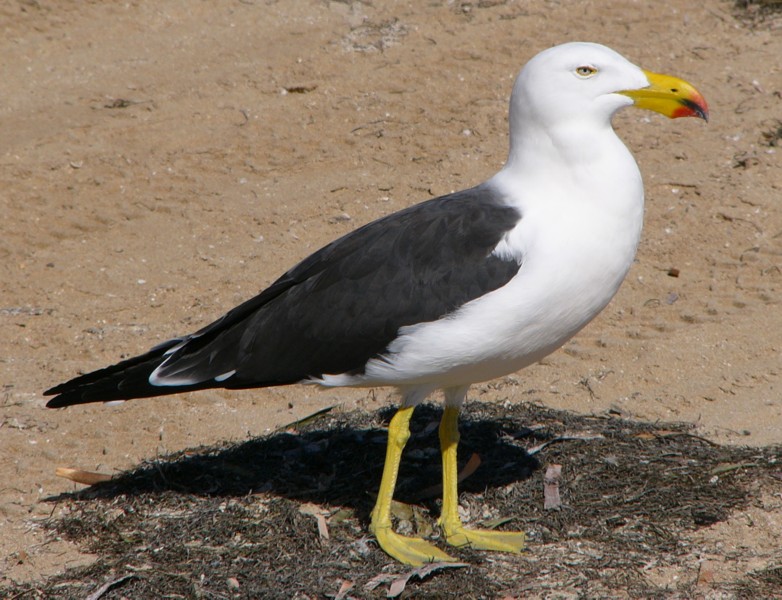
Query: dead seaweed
point(226, 521)
point(766, 583)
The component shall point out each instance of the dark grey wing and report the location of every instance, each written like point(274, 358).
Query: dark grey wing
point(345, 304)
point(335, 310)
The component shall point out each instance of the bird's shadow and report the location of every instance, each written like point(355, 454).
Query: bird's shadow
point(337, 460)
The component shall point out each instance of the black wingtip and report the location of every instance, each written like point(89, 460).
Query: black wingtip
point(57, 389)
point(53, 403)
point(65, 395)
point(58, 392)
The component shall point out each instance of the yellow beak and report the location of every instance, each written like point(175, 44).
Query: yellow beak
point(670, 96)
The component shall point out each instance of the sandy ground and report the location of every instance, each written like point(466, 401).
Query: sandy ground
point(162, 161)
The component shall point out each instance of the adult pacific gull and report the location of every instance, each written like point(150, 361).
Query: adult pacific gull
point(455, 290)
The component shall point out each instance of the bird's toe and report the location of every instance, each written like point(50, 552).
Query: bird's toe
point(484, 539)
point(409, 550)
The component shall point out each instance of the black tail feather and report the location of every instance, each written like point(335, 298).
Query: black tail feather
point(126, 380)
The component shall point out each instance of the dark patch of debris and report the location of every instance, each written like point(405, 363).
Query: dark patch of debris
point(758, 13)
point(238, 521)
point(773, 137)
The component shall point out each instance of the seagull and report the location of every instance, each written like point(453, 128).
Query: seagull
point(452, 291)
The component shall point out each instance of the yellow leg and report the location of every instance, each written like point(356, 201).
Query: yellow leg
point(455, 533)
point(409, 550)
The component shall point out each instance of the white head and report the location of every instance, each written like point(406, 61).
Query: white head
point(574, 89)
point(577, 80)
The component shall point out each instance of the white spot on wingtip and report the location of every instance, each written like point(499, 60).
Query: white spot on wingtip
point(225, 376)
point(114, 402)
point(175, 379)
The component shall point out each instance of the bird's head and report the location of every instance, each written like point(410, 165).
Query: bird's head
point(589, 82)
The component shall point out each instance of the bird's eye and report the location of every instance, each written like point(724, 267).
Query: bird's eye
point(585, 71)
